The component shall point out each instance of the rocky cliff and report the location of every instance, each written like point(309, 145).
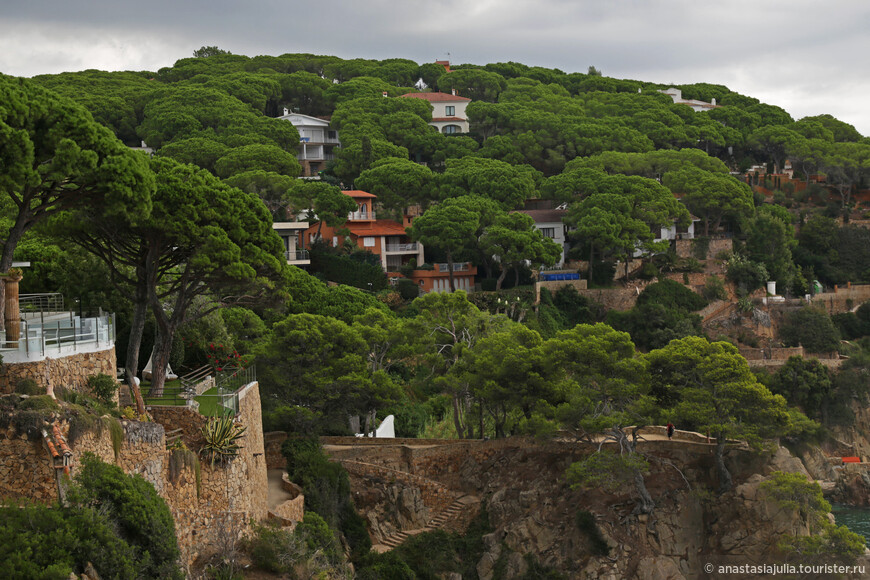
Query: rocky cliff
point(534, 511)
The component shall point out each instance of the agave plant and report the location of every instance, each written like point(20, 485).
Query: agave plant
point(221, 436)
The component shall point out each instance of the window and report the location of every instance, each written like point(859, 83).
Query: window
point(369, 242)
point(331, 135)
point(548, 232)
point(450, 111)
point(450, 129)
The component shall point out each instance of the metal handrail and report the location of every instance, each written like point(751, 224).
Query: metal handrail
point(42, 302)
point(457, 267)
point(408, 247)
point(361, 215)
point(297, 255)
point(195, 377)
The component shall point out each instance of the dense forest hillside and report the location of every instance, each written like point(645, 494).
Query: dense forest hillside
point(180, 245)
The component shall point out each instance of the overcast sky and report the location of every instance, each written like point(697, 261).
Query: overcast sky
point(807, 56)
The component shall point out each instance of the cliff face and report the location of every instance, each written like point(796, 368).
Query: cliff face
point(534, 511)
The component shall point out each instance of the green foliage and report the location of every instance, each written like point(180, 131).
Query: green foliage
point(117, 434)
point(804, 382)
point(29, 387)
point(672, 295)
point(310, 549)
point(103, 388)
point(608, 471)
point(714, 289)
point(39, 403)
point(586, 524)
point(825, 541)
point(52, 542)
point(328, 264)
point(221, 439)
point(140, 516)
point(811, 328)
point(746, 274)
point(326, 487)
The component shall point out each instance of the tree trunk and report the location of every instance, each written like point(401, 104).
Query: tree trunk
point(645, 504)
point(501, 278)
point(131, 365)
point(450, 271)
point(160, 358)
point(725, 481)
point(516, 276)
point(457, 421)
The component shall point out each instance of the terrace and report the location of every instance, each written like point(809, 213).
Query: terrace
point(210, 394)
point(45, 328)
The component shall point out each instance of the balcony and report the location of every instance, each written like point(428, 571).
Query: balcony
point(410, 247)
point(297, 257)
point(361, 216)
point(458, 267)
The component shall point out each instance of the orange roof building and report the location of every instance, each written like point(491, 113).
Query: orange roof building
point(448, 111)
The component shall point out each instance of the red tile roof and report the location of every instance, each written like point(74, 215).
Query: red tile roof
point(377, 228)
point(431, 97)
point(358, 193)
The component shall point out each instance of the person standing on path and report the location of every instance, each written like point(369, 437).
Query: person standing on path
point(670, 430)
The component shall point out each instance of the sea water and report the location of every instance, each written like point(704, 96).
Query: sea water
point(856, 519)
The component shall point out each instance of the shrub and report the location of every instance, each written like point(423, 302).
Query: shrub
point(812, 328)
point(39, 403)
point(408, 290)
point(38, 541)
point(103, 387)
point(140, 516)
point(221, 435)
point(29, 387)
point(586, 524)
point(672, 295)
point(714, 289)
point(745, 273)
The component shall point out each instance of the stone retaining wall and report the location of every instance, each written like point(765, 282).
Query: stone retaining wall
point(179, 417)
point(70, 371)
point(554, 285)
point(842, 299)
point(206, 519)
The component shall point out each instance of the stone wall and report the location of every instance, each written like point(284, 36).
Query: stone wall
point(554, 285)
point(842, 299)
point(177, 417)
point(70, 371)
point(613, 298)
point(686, 248)
point(207, 517)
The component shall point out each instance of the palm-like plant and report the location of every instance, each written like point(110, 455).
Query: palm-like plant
point(221, 436)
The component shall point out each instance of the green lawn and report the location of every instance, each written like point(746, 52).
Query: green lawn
point(209, 403)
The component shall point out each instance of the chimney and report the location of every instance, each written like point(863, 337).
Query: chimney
point(453, 92)
point(286, 111)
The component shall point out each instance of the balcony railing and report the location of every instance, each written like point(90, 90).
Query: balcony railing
point(45, 334)
point(31, 305)
point(460, 267)
point(296, 256)
point(409, 247)
point(361, 215)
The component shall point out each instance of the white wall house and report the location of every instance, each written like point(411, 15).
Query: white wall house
point(549, 223)
point(291, 236)
point(698, 106)
point(448, 111)
point(316, 141)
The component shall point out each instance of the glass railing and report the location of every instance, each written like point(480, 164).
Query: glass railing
point(57, 335)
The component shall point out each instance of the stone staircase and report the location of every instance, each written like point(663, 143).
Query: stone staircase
point(172, 437)
point(436, 523)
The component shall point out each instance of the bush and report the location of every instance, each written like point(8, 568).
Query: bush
point(408, 290)
point(746, 274)
point(38, 541)
point(714, 289)
point(672, 295)
point(139, 515)
point(39, 403)
point(29, 387)
point(811, 328)
point(103, 387)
